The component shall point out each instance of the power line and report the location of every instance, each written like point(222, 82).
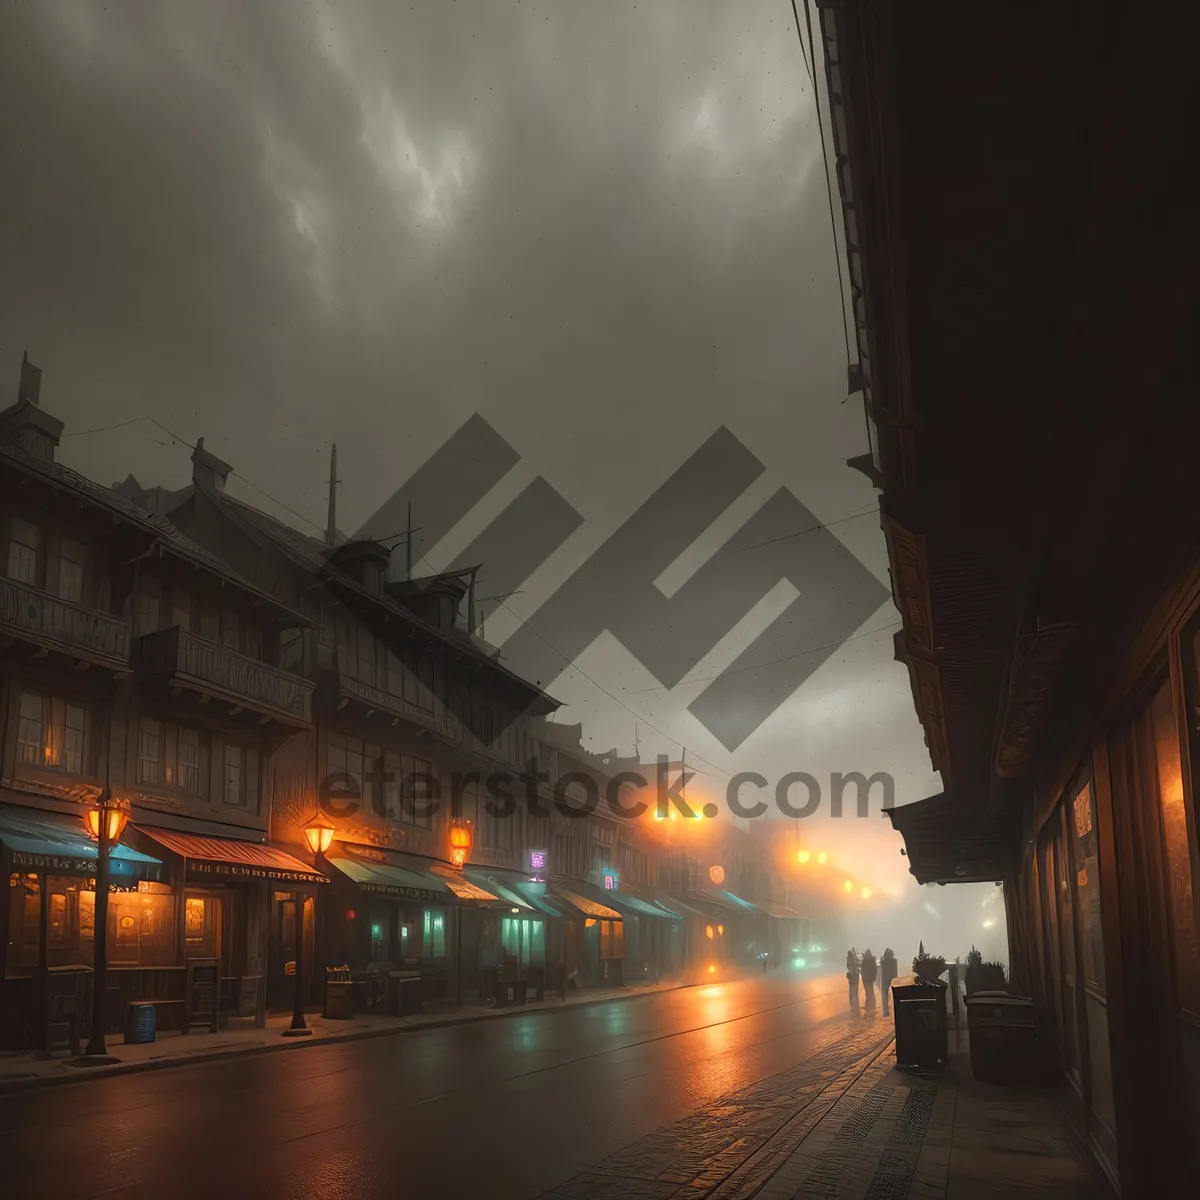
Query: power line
point(837, 250)
point(811, 529)
point(803, 51)
point(772, 662)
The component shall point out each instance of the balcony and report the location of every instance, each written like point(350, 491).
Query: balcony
point(182, 659)
point(53, 624)
point(376, 699)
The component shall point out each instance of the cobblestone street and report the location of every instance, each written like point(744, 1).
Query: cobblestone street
point(846, 1124)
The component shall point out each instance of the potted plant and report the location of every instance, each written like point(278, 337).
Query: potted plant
point(974, 971)
point(992, 977)
point(927, 968)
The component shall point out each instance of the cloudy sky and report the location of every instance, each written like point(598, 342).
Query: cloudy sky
point(603, 226)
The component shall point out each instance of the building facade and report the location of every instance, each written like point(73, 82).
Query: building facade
point(1031, 426)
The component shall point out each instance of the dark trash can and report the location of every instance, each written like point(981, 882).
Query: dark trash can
point(1004, 1039)
point(921, 1032)
point(140, 1024)
point(404, 993)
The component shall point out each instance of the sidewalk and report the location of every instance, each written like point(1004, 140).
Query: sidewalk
point(19, 1071)
point(846, 1125)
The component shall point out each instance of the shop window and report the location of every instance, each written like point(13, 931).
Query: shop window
point(50, 733)
point(24, 551)
point(380, 941)
point(434, 929)
point(142, 926)
point(1177, 848)
point(58, 926)
point(523, 939)
point(72, 559)
point(202, 926)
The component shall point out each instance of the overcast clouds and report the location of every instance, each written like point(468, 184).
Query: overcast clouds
point(601, 225)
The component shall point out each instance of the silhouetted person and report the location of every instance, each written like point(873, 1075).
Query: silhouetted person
point(869, 974)
point(852, 976)
point(887, 974)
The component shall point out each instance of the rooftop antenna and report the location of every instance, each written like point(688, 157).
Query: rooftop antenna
point(331, 527)
point(471, 601)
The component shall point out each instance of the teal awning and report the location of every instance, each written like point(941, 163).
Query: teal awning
point(624, 902)
point(57, 843)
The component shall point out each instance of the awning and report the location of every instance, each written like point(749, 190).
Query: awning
point(407, 877)
point(57, 842)
point(779, 910)
point(589, 908)
point(951, 842)
point(625, 902)
point(510, 886)
point(228, 858)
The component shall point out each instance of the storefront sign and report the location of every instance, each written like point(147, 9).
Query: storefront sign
point(424, 895)
point(537, 863)
point(239, 871)
point(60, 864)
point(611, 881)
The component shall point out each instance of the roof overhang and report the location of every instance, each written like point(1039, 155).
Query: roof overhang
point(949, 842)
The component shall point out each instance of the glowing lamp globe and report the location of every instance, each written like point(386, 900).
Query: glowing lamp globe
point(803, 856)
point(106, 816)
point(318, 833)
point(460, 843)
point(716, 874)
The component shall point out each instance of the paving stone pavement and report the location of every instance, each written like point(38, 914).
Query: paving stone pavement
point(846, 1125)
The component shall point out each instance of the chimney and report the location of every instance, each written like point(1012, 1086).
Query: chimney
point(25, 424)
point(208, 471)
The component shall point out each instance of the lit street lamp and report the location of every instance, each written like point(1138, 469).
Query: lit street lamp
point(318, 833)
point(105, 821)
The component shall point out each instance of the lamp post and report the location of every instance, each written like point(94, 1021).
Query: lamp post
point(105, 821)
point(462, 837)
point(318, 833)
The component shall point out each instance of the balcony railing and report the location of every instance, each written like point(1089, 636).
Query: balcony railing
point(36, 616)
point(439, 722)
point(180, 657)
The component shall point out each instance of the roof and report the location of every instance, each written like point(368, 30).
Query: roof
point(57, 841)
point(246, 857)
point(167, 535)
point(312, 555)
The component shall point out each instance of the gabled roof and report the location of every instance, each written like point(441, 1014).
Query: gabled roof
point(167, 535)
point(312, 555)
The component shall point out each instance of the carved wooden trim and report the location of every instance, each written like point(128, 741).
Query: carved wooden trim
point(910, 575)
point(928, 686)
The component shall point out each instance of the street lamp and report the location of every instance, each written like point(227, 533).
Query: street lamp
point(318, 834)
point(460, 843)
point(105, 821)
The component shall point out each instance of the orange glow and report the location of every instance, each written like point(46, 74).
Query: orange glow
point(589, 922)
point(716, 874)
point(866, 893)
point(712, 970)
point(318, 833)
point(803, 856)
point(822, 857)
point(848, 886)
point(721, 930)
point(458, 856)
point(460, 836)
point(114, 819)
point(708, 931)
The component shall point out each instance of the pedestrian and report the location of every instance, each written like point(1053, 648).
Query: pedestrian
point(852, 976)
point(869, 973)
point(887, 973)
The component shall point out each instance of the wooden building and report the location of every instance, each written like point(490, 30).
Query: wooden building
point(132, 659)
point(1024, 353)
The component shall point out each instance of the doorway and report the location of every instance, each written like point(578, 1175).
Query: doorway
point(281, 990)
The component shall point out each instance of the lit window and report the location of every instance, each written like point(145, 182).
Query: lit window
point(50, 733)
point(24, 544)
point(29, 734)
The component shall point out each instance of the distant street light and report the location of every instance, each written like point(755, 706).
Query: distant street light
point(803, 856)
point(822, 857)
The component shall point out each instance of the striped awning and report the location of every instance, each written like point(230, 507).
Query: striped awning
point(778, 910)
point(232, 859)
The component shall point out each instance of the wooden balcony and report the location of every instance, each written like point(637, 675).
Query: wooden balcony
point(180, 658)
point(376, 699)
point(53, 624)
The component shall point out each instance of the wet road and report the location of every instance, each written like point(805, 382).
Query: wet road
point(508, 1107)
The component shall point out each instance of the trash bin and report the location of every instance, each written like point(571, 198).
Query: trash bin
point(920, 1016)
point(404, 993)
point(140, 1024)
point(1004, 1039)
point(339, 999)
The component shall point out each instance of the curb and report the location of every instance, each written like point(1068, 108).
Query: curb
point(84, 1074)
